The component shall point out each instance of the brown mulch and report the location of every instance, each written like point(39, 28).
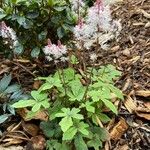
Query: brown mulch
point(130, 130)
point(131, 55)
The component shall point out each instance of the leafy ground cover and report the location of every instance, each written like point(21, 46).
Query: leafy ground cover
point(128, 130)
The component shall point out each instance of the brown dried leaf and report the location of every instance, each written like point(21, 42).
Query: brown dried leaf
point(126, 52)
point(36, 84)
point(11, 148)
point(142, 109)
point(147, 104)
point(143, 115)
point(147, 25)
point(22, 60)
point(124, 147)
point(12, 141)
point(13, 127)
point(134, 59)
point(130, 104)
point(143, 93)
point(23, 113)
point(127, 84)
point(115, 48)
point(30, 128)
point(106, 145)
point(119, 129)
point(37, 143)
point(4, 70)
point(42, 115)
point(145, 14)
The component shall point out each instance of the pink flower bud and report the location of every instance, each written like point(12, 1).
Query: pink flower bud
point(59, 44)
point(3, 25)
point(80, 23)
point(49, 43)
point(99, 4)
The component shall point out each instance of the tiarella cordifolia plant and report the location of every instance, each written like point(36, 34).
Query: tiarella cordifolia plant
point(75, 108)
point(97, 27)
point(76, 101)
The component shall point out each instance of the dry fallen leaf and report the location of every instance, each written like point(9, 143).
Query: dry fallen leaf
point(119, 129)
point(143, 112)
point(115, 48)
point(30, 128)
point(22, 60)
point(124, 147)
point(127, 84)
point(145, 14)
point(143, 115)
point(134, 59)
point(42, 115)
point(147, 25)
point(126, 52)
point(36, 84)
point(130, 104)
point(11, 148)
point(147, 104)
point(143, 93)
point(36, 143)
point(11, 141)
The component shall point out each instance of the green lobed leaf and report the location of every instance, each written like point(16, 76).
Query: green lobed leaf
point(45, 86)
point(95, 142)
point(103, 117)
point(69, 134)
point(66, 123)
point(45, 104)
point(39, 96)
point(116, 91)
point(74, 113)
point(36, 107)
point(110, 105)
point(80, 143)
point(24, 103)
point(51, 129)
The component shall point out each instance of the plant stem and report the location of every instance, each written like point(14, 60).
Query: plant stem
point(61, 76)
point(63, 79)
point(87, 87)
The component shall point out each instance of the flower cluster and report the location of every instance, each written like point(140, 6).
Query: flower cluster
point(78, 7)
point(97, 27)
point(55, 52)
point(77, 4)
point(8, 35)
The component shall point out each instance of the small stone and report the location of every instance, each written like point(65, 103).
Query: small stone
point(147, 25)
point(126, 52)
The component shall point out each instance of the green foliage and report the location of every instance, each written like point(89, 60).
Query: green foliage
point(36, 20)
point(74, 108)
point(8, 94)
point(39, 100)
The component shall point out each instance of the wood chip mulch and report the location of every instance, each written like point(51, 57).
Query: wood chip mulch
point(130, 130)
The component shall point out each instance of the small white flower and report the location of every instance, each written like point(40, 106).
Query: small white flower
point(93, 57)
point(55, 52)
point(77, 4)
point(9, 35)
